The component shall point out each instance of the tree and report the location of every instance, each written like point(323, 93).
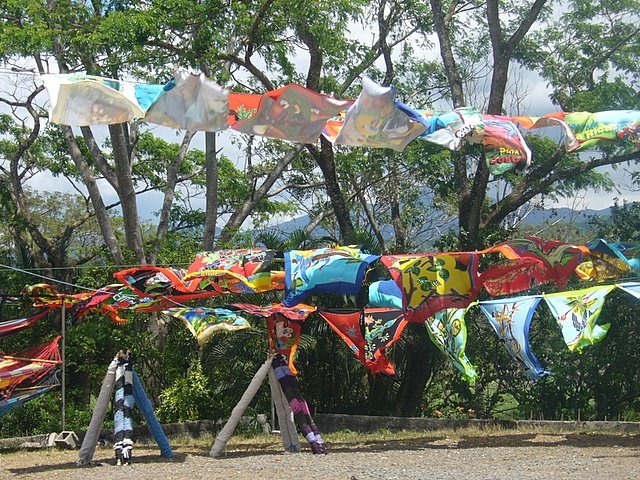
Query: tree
point(507, 41)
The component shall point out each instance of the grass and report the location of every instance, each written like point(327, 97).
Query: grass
point(258, 441)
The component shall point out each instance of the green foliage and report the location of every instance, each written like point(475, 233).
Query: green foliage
point(187, 398)
point(40, 416)
point(622, 225)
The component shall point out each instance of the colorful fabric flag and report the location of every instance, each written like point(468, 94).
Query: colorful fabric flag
point(585, 130)
point(367, 333)
point(124, 298)
point(190, 102)
point(324, 270)
point(577, 313)
point(152, 281)
point(632, 288)
point(532, 261)
point(374, 120)
point(32, 364)
point(204, 322)
point(511, 320)
point(609, 260)
point(386, 294)
point(284, 325)
point(82, 100)
point(292, 113)
point(550, 120)
point(284, 337)
point(101, 302)
point(382, 328)
point(297, 312)
point(504, 148)
point(25, 395)
point(10, 327)
point(448, 331)
point(47, 296)
point(593, 129)
point(448, 129)
point(430, 283)
point(247, 270)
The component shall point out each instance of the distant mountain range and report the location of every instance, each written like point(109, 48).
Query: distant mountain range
point(537, 217)
point(552, 214)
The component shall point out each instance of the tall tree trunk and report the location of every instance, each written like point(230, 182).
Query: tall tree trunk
point(471, 204)
point(242, 212)
point(422, 359)
point(399, 230)
point(169, 195)
point(373, 223)
point(126, 191)
point(99, 208)
point(442, 22)
point(326, 161)
point(211, 208)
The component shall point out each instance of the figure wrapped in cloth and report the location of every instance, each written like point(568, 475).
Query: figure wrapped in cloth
point(122, 422)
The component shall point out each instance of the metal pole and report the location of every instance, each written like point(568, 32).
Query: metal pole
point(64, 400)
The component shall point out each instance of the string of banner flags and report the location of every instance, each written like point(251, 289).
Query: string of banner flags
point(294, 113)
point(436, 290)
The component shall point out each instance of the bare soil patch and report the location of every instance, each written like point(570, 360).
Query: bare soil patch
point(415, 455)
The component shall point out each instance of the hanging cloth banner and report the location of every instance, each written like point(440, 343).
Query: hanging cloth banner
point(448, 129)
point(292, 113)
point(152, 281)
point(386, 294)
point(504, 148)
point(585, 130)
point(324, 270)
point(47, 296)
point(10, 327)
point(368, 333)
point(248, 270)
point(284, 325)
point(203, 322)
point(532, 261)
point(609, 260)
point(26, 395)
point(84, 100)
point(577, 312)
point(124, 298)
point(511, 320)
point(102, 302)
point(190, 102)
point(32, 364)
point(632, 288)
point(430, 283)
point(284, 337)
point(298, 312)
point(448, 331)
point(374, 120)
point(382, 328)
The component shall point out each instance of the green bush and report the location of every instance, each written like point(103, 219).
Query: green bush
point(187, 398)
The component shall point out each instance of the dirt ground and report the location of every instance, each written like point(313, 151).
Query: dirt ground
point(515, 456)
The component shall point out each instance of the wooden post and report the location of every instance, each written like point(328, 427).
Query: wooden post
point(63, 386)
point(238, 410)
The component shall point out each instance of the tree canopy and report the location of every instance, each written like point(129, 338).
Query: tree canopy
point(439, 55)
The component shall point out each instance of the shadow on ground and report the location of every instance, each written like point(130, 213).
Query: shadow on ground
point(150, 459)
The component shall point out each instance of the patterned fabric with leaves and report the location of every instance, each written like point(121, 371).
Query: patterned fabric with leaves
point(577, 313)
point(448, 331)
